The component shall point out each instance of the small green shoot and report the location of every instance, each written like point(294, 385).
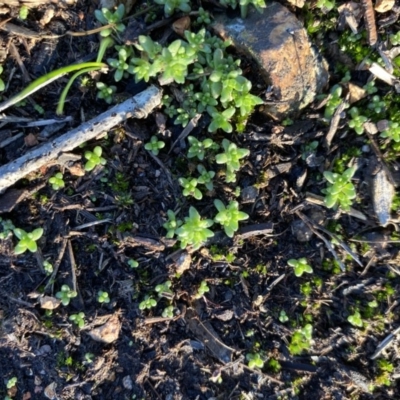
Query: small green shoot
point(283, 317)
point(105, 92)
point(340, 190)
point(147, 303)
point(202, 290)
point(48, 268)
point(172, 224)
point(231, 157)
point(357, 121)
point(205, 177)
point(300, 266)
point(171, 5)
point(27, 241)
point(23, 12)
point(66, 294)
point(164, 289)
point(197, 148)
point(8, 227)
point(254, 360)
point(190, 188)
point(133, 263)
point(103, 297)
point(106, 17)
point(301, 340)
point(195, 230)
point(168, 312)
point(11, 382)
point(94, 158)
point(57, 181)
point(392, 132)
point(154, 145)
point(78, 319)
point(229, 217)
point(355, 319)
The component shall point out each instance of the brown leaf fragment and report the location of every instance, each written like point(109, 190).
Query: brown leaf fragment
point(49, 303)
point(382, 196)
point(50, 391)
point(382, 6)
point(108, 332)
point(369, 19)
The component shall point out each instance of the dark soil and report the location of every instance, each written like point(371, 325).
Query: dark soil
point(200, 353)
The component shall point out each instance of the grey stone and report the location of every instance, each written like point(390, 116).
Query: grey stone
point(278, 43)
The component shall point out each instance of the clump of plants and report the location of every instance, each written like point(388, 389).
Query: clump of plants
point(301, 340)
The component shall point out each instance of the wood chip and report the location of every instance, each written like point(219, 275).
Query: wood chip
point(382, 196)
point(382, 6)
point(49, 303)
point(369, 19)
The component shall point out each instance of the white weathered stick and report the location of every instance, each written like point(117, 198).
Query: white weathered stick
point(138, 106)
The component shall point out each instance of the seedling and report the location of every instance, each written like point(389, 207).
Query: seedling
point(370, 87)
point(203, 288)
point(301, 340)
point(333, 101)
point(94, 158)
point(147, 303)
point(168, 312)
point(48, 267)
point(66, 294)
point(133, 263)
point(300, 266)
point(190, 188)
point(392, 132)
point(309, 149)
point(171, 225)
point(205, 177)
point(11, 382)
point(103, 297)
point(325, 5)
point(105, 92)
point(229, 217)
point(255, 360)
point(197, 148)
point(27, 241)
point(171, 5)
point(355, 319)
point(220, 120)
point(106, 17)
point(283, 317)
point(195, 230)
point(340, 190)
point(121, 65)
point(231, 157)
point(164, 290)
point(357, 122)
point(377, 105)
point(57, 181)
point(78, 319)
point(154, 145)
point(8, 227)
point(23, 12)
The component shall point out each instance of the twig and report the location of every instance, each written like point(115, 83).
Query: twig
point(138, 106)
point(369, 19)
point(335, 121)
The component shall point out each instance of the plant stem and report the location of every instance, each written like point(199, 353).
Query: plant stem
point(61, 101)
point(45, 80)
